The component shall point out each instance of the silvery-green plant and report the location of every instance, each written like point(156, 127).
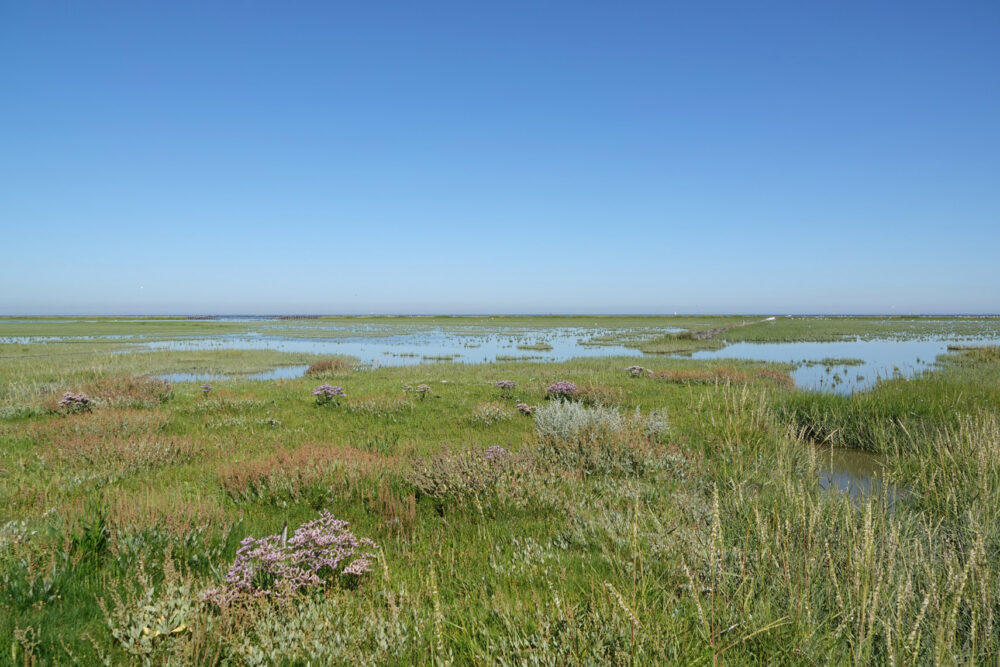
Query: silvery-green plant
point(565, 420)
point(655, 423)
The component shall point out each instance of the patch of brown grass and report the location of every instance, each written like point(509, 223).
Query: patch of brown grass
point(175, 510)
point(330, 367)
point(129, 391)
point(592, 394)
point(107, 423)
point(118, 391)
point(308, 472)
point(120, 454)
point(398, 510)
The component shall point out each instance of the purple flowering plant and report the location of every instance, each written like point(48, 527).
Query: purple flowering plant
point(525, 409)
point(561, 389)
point(205, 388)
point(76, 402)
point(637, 371)
point(326, 394)
point(319, 553)
point(495, 452)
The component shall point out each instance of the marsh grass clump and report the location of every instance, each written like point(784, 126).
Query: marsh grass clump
point(319, 554)
point(130, 391)
point(309, 474)
point(379, 406)
point(724, 375)
point(421, 390)
point(491, 412)
point(480, 476)
point(599, 395)
point(326, 394)
point(329, 367)
point(123, 454)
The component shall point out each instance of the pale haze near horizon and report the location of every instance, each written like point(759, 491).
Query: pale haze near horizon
point(640, 158)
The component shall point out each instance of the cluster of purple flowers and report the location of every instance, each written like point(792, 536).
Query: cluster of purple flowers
point(325, 393)
point(205, 388)
point(636, 371)
point(525, 409)
point(506, 384)
point(495, 452)
point(75, 402)
point(561, 389)
point(317, 554)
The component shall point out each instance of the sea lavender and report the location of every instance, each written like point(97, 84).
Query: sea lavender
point(205, 388)
point(326, 394)
point(506, 384)
point(495, 452)
point(317, 554)
point(561, 389)
point(75, 402)
point(525, 409)
point(636, 371)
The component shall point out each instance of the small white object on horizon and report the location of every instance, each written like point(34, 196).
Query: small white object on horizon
point(770, 319)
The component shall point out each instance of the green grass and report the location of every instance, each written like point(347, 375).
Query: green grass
point(711, 542)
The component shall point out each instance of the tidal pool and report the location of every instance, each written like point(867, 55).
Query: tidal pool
point(408, 349)
point(880, 359)
point(854, 472)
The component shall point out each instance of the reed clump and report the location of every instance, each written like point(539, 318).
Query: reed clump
point(332, 366)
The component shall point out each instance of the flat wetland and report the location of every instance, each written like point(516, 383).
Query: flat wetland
point(518, 490)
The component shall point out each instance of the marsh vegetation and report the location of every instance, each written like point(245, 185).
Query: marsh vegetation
point(574, 512)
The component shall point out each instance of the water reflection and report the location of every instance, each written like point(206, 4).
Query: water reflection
point(879, 359)
point(854, 472)
point(279, 373)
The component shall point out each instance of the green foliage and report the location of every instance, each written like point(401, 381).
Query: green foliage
point(606, 536)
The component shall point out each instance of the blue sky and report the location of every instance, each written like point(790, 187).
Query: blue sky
point(535, 157)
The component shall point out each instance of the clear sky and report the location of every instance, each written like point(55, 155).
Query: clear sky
point(532, 157)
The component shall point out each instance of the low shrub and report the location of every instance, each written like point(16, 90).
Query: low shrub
point(319, 554)
point(565, 420)
point(594, 439)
